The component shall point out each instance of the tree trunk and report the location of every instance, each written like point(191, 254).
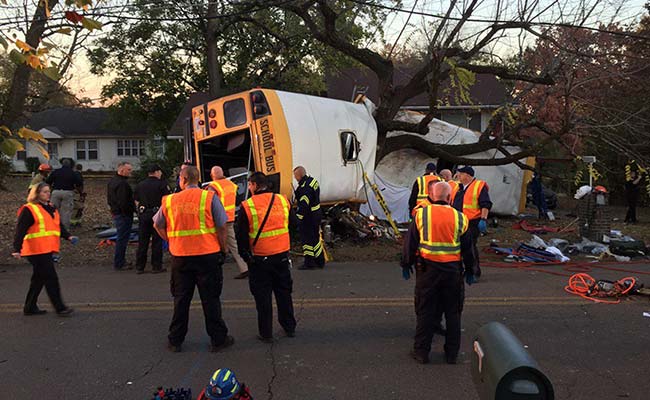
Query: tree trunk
point(215, 74)
point(14, 106)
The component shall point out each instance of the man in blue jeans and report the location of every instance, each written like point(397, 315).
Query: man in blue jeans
point(120, 200)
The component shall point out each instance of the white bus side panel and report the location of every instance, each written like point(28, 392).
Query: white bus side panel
point(315, 125)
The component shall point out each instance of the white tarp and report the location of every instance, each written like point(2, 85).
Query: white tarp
point(398, 170)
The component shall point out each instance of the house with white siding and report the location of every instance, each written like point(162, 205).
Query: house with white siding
point(90, 137)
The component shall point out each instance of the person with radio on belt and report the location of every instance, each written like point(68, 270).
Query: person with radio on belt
point(262, 228)
point(472, 198)
point(226, 190)
point(193, 222)
point(148, 196)
point(309, 216)
point(437, 244)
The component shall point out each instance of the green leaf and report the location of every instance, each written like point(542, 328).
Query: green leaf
point(9, 147)
point(17, 57)
point(4, 43)
point(91, 24)
point(52, 73)
point(64, 31)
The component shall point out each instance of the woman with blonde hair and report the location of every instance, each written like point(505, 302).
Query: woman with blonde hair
point(38, 236)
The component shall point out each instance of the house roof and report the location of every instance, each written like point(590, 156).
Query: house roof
point(487, 91)
point(84, 122)
point(177, 130)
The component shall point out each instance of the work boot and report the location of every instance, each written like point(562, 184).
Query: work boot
point(174, 348)
point(158, 270)
point(139, 271)
point(451, 358)
point(420, 358)
point(229, 341)
point(35, 311)
point(66, 312)
point(290, 333)
point(305, 266)
point(265, 339)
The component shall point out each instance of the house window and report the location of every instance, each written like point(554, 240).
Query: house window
point(349, 147)
point(130, 148)
point(22, 154)
point(87, 150)
point(53, 150)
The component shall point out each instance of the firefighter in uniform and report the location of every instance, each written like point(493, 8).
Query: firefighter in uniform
point(309, 215)
point(38, 236)
point(193, 222)
point(263, 241)
point(148, 197)
point(472, 197)
point(419, 190)
point(226, 190)
point(436, 243)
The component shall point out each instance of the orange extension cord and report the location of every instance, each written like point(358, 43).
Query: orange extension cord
point(584, 286)
point(580, 283)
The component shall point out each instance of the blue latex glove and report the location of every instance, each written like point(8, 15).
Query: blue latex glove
point(74, 240)
point(406, 272)
point(482, 226)
point(469, 279)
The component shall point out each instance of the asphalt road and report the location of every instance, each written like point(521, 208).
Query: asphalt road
point(355, 323)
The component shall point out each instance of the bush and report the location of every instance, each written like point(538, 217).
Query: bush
point(5, 168)
point(32, 163)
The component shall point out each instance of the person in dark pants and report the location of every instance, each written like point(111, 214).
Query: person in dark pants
point(38, 233)
point(436, 244)
point(263, 242)
point(632, 191)
point(309, 214)
point(197, 237)
point(148, 197)
point(120, 201)
point(472, 198)
point(63, 182)
point(79, 199)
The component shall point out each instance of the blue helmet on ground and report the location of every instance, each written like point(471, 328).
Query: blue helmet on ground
point(223, 385)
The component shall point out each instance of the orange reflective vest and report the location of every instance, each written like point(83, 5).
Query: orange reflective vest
point(190, 225)
point(421, 204)
point(470, 199)
point(423, 185)
point(454, 188)
point(44, 235)
point(227, 192)
point(274, 238)
point(440, 228)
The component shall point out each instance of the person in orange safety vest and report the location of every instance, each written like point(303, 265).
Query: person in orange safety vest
point(438, 246)
point(421, 184)
point(262, 228)
point(472, 197)
point(193, 223)
point(227, 192)
point(38, 236)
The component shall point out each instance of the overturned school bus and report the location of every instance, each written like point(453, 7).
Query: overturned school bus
point(273, 131)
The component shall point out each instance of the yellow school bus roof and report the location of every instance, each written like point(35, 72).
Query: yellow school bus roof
point(209, 119)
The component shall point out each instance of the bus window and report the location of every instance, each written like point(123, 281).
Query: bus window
point(234, 112)
point(349, 147)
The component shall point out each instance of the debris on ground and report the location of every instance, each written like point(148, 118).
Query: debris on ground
point(349, 224)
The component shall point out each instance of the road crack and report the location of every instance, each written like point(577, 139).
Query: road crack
point(148, 370)
point(269, 387)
